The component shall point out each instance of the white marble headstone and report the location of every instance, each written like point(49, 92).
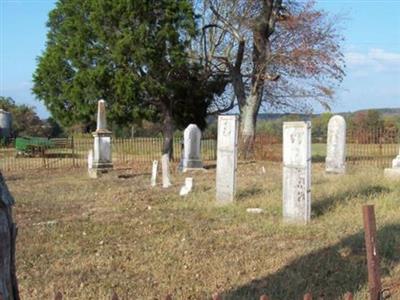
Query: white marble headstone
point(166, 180)
point(192, 148)
point(226, 158)
point(154, 173)
point(394, 171)
point(102, 158)
point(90, 159)
point(336, 146)
point(297, 171)
point(187, 188)
point(101, 115)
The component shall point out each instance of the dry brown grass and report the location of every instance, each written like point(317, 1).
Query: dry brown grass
point(118, 234)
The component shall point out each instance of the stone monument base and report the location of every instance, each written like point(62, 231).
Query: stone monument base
point(96, 173)
point(193, 169)
point(393, 173)
point(192, 164)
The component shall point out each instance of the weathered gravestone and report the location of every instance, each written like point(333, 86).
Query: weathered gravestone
point(226, 158)
point(166, 180)
point(102, 142)
point(335, 161)
point(187, 188)
point(297, 171)
point(90, 159)
point(192, 148)
point(154, 173)
point(8, 233)
point(394, 171)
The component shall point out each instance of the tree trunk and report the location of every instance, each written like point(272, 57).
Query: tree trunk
point(168, 132)
point(248, 124)
point(8, 233)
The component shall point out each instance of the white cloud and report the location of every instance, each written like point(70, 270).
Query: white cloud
point(375, 59)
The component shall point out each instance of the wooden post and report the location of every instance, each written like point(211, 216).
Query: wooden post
point(73, 151)
point(307, 296)
point(374, 278)
point(216, 296)
point(348, 296)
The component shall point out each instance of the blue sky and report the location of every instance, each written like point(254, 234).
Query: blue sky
point(371, 48)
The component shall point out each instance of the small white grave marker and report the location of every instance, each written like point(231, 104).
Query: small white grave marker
point(154, 173)
point(187, 188)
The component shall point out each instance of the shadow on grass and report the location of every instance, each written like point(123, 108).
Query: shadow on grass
point(248, 192)
point(328, 273)
point(318, 158)
point(321, 206)
point(210, 166)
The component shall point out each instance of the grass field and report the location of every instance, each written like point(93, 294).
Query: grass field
point(88, 238)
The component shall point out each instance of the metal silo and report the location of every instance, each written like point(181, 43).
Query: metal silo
point(5, 124)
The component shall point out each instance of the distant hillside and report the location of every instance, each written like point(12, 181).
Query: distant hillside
point(274, 116)
point(384, 111)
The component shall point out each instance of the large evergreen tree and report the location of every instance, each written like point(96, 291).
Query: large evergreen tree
point(134, 54)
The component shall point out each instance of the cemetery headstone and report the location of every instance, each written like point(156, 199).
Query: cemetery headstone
point(102, 160)
point(166, 180)
point(226, 158)
point(154, 173)
point(297, 171)
point(92, 172)
point(188, 186)
point(192, 148)
point(394, 171)
point(336, 146)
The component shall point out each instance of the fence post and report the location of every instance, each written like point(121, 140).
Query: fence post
point(374, 278)
point(73, 151)
point(348, 296)
point(307, 296)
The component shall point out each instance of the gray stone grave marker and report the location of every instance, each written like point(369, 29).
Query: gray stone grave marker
point(102, 160)
point(335, 161)
point(226, 158)
point(297, 172)
point(192, 148)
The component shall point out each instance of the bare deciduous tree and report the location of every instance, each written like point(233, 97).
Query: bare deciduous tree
point(284, 54)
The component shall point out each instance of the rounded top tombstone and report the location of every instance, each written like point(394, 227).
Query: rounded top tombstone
point(337, 121)
point(336, 145)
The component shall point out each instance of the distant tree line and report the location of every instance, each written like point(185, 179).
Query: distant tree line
point(26, 122)
point(358, 122)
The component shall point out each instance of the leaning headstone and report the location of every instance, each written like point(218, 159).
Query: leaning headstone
point(102, 142)
point(226, 158)
point(192, 148)
point(154, 173)
point(92, 172)
point(297, 171)
point(166, 180)
point(8, 234)
point(187, 188)
point(394, 171)
point(335, 161)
